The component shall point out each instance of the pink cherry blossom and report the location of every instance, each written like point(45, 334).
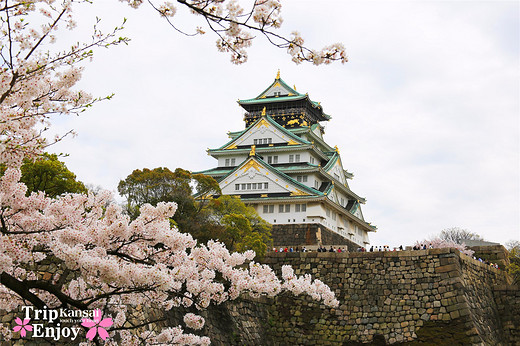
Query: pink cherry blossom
point(104, 260)
point(97, 326)
point(22, 326)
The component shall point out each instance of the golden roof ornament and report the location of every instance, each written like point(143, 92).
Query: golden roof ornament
point(278, 74)
point(336, 149)
point(263, 112)
point(253, 150)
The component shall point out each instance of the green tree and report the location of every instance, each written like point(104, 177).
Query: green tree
point(162, 185)
point(242, 227)
point(226, 219)
point(50, 175)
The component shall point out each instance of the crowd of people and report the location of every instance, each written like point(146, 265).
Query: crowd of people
point(494, 265)
point(372, 249)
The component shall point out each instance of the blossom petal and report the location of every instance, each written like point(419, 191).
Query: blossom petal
point(88, 323)
point(106, 322)
point(18, 321)
point(17, 328)
point(28, 327)
point(26, 320)
point(22, 332)
point(103, 333)
point(91, 334)
point(97, 315)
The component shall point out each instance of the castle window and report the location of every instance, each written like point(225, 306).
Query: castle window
point(327, 211)
point(284, 208)
point(269, 209)
point(291, 158)
point(232, 162)
point(272, 159)
point(312, 160)
point(243, 186)
point(227, 163)
point(237, 187)
point(258, 141)
point(266, 185)
point(301, 178)
point(300, 208)
point(297, 158)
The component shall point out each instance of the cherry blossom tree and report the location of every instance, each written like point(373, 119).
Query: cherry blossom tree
point(439, 243)
point(101, 259)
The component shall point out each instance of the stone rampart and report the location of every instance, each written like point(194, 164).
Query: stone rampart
point(435, 296)
point(431, 297)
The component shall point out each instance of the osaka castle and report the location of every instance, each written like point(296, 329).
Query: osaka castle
point(281, 165)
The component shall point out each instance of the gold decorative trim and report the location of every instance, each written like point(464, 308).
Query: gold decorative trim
point(251, 164)
point(263, 122)
point(291, 142)
point(299, 193)
point(231, 146)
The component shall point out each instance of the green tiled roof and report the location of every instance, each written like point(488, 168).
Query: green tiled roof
point(216, 171)
point(293, 95)
point(273, 99)
point(298, 167)
point(331, 162)
point(283, 84)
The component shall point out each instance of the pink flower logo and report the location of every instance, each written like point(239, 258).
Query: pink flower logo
point(22, 326)
point(97, 326)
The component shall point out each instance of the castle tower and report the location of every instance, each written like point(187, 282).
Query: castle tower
point(281, 165)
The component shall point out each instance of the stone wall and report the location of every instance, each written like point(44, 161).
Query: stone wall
point(435, 296)
point(507, 298)
point(308, 234)
point(432, 297)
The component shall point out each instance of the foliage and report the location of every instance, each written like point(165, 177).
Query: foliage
point(226, 219)
point(243, 228)
point(513, 269)
point(105, 260)
point(48, 174)
point(458, 235)
point(162, 185)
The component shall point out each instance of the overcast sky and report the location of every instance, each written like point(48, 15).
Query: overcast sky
point(425, 113)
